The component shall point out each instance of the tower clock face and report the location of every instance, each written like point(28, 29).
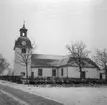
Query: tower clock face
point(23, 43)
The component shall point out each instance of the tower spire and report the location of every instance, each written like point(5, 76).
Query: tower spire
point(23, 30)
point(24, 23)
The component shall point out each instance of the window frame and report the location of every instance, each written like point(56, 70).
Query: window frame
point(62, 72)
point(54, 72)
point(32, 74)
point(23, 50)
point(40, 72)
point(83, 73)
point(23, 34)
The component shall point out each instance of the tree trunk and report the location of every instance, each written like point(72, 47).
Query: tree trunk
point(80, 68)
point(106, 75)
point(27, 73)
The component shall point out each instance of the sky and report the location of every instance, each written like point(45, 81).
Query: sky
point(53, 24)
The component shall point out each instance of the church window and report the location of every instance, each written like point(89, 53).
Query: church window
point(23, 50)
point(101, 75)
point(32, 74)
point(53, 72)
point(39, 72)
point(23, 34)
point(83, 74)
point(22, 73)
point(62, 72)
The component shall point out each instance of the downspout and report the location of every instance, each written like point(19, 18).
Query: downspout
point(67, 70)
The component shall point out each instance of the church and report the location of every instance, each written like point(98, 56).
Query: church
point(42, 65)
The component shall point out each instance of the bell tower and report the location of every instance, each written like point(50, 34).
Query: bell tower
point(22, 51)
point(23, 31)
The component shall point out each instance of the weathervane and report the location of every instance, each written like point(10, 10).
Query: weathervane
point(24, 23)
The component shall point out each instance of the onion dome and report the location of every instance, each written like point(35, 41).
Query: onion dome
point(23, 40)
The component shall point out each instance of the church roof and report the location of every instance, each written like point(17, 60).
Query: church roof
point(86, 62)
point(23, 28)
point(18, 42)
point(41, 60)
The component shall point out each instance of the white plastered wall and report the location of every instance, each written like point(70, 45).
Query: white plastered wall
point(46, 72)
point(74, 72)
point(65, 72)
point(92, 73)
point(18, 66)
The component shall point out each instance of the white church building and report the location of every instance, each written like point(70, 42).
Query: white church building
point(42, 65)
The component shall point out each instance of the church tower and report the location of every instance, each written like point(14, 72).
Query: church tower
point(22, 55)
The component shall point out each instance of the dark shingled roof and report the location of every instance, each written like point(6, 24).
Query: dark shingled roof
point(18, 42)
point(45, 60)
point(41, 60)
point(23, 28)
point(87, 62)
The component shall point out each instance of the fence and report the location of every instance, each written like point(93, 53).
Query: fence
point(16, 79)
point(52, 80)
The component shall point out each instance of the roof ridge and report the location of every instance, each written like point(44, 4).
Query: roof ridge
point(50, 55)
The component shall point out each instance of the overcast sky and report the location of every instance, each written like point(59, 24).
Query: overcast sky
point(53, 24)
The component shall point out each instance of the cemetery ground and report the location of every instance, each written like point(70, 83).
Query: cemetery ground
point(56, 95)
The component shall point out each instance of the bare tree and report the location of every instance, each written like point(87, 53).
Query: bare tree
point(3, 64)
point(78, 52)
point(24, 58)
point(101, 59)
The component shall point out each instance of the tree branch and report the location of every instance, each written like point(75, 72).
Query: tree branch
point(78, 52)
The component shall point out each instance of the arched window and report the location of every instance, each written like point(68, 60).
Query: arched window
point(23, 34)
